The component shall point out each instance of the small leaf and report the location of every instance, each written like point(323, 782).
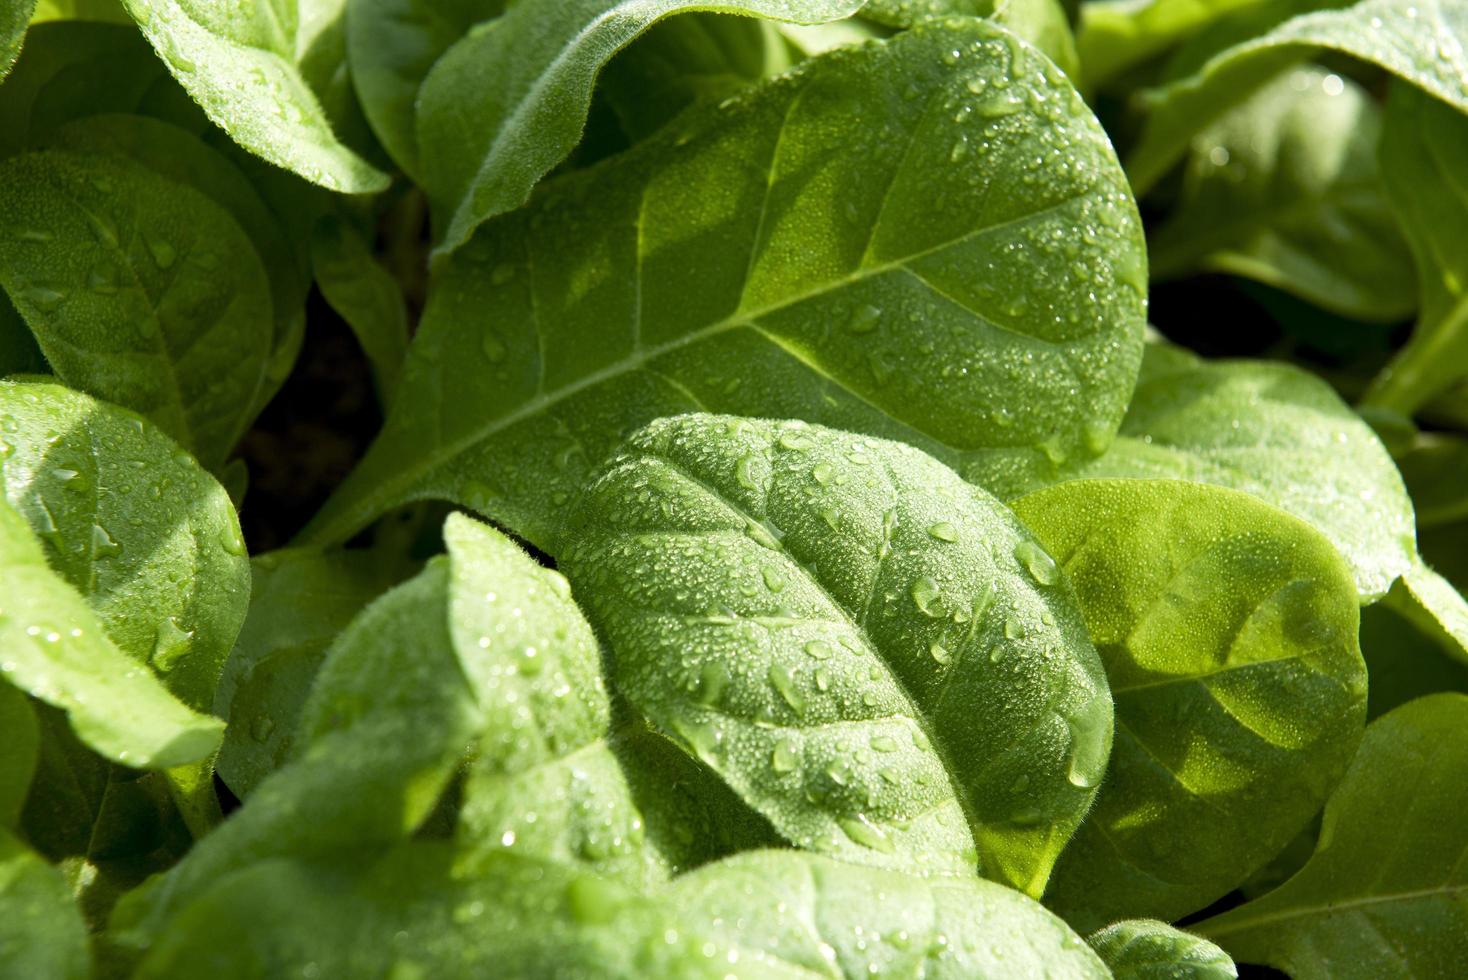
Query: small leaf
point(506, 103)
point(1145, 949)
point(366, 296)
point(1284, 189)
point(1390, 859)
point(299, 602)
point(19, 745)
point(13, 20)
point(1435, 607)
point(887, 289)
point(793, 653)
point(1228, 630)
point(140, 291)
point(1417, 40)
point(55, 650)
point(239, 63)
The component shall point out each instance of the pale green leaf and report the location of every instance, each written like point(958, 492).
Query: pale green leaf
point(1384, 894)
point(41, 932)
point(55, 650)
point(1115, 36)
point(1424, 164)
point(148, 538)
point(1434, 606)
point(1284, 189)
point(840, 920)
point(508, 102)
point(1228, 631)
point(1279, 433)
point(1145, 949)
point(140, 291)
point(240, 62)
point(871, 652)
point(1417, 40)
point(830, 247)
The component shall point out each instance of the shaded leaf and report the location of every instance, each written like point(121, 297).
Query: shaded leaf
point(366, 296)
point(41, 931)
point(1383, 894)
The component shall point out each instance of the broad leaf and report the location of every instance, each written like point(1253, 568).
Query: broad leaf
point(41, 931)
point(140, 290)
point(391, 46)
point(1384, 893)
point(240, 62)
point(871, 652)
point(299, 602)
point(54, 649)
point(906, 13)
point(825, 248)
point(1277, 432)
point(1417, 40)
point(1228, 631)
point(366, 296)
point(506, 103)
point(1424, 159)
point(132, 523)
point(1284, 189)
point(838, 920)
point(1145, 949)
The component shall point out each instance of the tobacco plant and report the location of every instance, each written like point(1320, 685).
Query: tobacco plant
point(733, 488)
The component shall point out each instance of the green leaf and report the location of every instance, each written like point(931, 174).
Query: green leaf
point(55, 651)
point(1279, 433)
point(299, 602)
point(1383, 895)
point(1044, 24)
point(175, 154)
point(140, 291)
point(507, 103)
point(1408, 655)
point(1117, 36)
point(1416, 40)
point(239, 62)
point(907, 13)
point(149, 539)
point(1432, 465)
point(14, 17)
point(411, 912)
point(379, 737)
point(825, 248)
point(834, 919)
point(1284, 189)
point(871, 652)
point(1145, 949)
point(1228, 631)
point(1424, 155)
point(366, 296)
point(41, 931)
point(18, 351)
point(391, 46)
point(19, 745)
point(1435, 607)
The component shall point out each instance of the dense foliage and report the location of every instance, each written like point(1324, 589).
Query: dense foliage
point(688, 488)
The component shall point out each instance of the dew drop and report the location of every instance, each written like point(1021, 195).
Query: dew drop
point(943, 531)
point(1041, 566)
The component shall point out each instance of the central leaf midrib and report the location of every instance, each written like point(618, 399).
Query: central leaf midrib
point(918, 716)
point(405, 477)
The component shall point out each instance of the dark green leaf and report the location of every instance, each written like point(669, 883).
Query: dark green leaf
point(41, 931)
